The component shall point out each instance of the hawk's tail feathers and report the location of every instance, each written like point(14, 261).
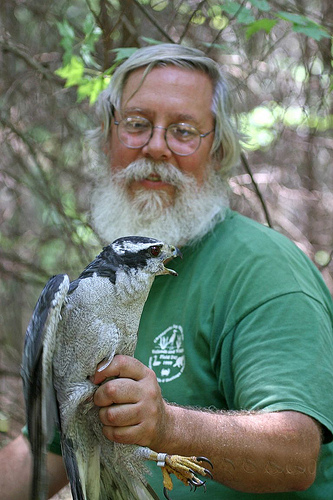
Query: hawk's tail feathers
point(72, 469)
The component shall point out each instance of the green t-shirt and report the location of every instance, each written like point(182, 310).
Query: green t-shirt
point(247, 324)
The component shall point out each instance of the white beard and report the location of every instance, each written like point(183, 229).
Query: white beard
point(193, 212)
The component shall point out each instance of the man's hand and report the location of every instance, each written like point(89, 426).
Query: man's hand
point(132, 409)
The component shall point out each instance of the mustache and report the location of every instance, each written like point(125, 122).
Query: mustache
point(143, 168)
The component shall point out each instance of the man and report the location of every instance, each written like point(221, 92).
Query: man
point(234, 358)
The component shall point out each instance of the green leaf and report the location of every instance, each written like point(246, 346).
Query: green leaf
point(65, 30)
point(243, 15)
point(214, 10)
point(124, 52)
point(92, 37)
point(219, 22)
point(72, 72)
point(311, 31)
point(92, 88)
point(159, 5)
point(261, 5)
point(198, 18)
point(88, 24)
point(231, 7)
point(86, 54)
point(293, 18)
point(261, 24)
point(302, 24)
point(67, 40)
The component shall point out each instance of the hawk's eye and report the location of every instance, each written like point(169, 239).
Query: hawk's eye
point(155, 251)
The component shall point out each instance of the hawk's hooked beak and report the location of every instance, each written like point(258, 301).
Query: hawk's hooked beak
point(175, 252)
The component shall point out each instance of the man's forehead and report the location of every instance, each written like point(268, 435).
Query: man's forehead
point(163, 68)
point(166, 72)
point(186, 90)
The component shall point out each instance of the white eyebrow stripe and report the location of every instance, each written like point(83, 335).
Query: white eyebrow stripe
point(129, 246)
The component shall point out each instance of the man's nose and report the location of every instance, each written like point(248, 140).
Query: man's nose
point(157, 147)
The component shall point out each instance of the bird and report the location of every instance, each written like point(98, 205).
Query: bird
point(75, 327)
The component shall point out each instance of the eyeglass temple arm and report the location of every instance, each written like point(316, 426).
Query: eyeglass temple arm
point(112, 111)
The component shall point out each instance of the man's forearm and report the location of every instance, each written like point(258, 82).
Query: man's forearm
point(15, 467)
point(251, 452)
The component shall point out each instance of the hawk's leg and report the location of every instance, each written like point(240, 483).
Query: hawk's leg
point(184, 468)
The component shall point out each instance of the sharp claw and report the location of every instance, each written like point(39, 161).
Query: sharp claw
point(196, 482)
point(165, 493)
point(204, 459)
point(208, 473)
point(192, 486)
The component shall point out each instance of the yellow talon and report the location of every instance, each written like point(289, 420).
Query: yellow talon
point(184, 468)
point(167, 481)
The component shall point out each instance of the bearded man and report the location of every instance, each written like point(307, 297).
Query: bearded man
point(234, 358)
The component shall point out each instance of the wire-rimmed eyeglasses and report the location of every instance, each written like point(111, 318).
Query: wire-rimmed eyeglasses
point(182, 139)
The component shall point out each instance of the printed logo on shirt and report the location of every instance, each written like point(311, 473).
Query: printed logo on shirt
point(168, 357)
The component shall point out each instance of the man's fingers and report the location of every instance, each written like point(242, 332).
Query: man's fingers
point(117, 391)
point(121, 366)
point(124, 435)
point(131, 405)
point(119, 416)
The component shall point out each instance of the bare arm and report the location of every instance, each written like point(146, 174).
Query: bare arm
point(15, 467)
point(251, 452)
point(254, 452)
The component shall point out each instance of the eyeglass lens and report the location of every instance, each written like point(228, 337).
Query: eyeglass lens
point(181, 138)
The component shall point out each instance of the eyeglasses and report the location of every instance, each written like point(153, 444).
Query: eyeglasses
point(181, 138)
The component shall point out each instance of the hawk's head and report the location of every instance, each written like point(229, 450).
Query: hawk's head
point(138, 252)
point(128, 254)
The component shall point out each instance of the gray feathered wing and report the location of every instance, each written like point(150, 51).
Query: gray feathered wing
point(42, 414)
point(40, 399)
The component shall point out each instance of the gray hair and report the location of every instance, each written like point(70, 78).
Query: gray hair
point(226, 147)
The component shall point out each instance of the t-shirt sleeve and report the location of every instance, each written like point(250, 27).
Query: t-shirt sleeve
point(281, 358)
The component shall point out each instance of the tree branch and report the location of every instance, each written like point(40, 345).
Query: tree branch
point(41, 184)
point(190, 19)
point(230, 20)
point(153, 21)
point(257, 190)
point(14, 49)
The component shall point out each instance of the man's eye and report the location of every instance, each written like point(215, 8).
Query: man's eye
point(183, 132)
point(133, 125)
point(155, 251)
